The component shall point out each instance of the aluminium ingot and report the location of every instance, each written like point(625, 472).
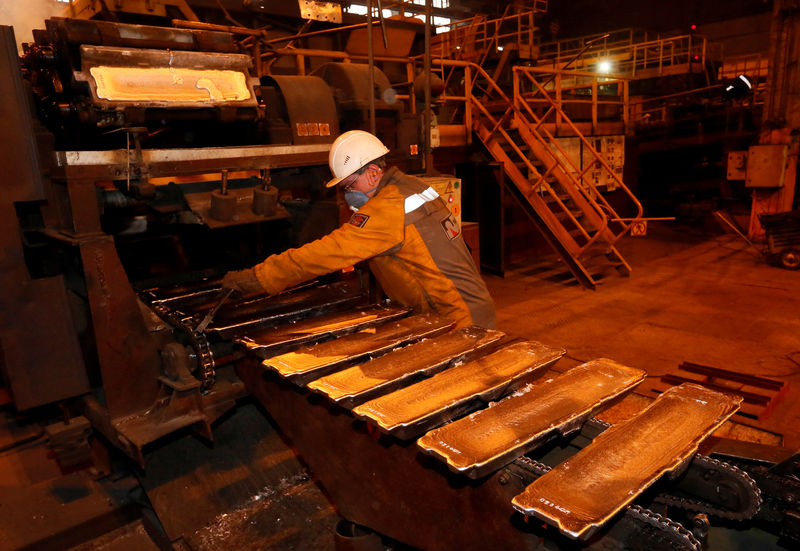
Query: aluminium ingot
point(169, 84)
point(179, 79)
point(266, 342)
point(491, 438)
point(410, 411)
point(402, 367)
point(311, 362)
point(585, 491)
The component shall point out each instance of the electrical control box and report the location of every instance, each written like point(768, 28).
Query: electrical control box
point(737, 165)
point(766, 165)
point(449, 189)
point(612, 148)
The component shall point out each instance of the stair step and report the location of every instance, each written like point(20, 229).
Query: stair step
point(522, 166)
point(576, 233)
point(596, 255)
point(566, 199)
point(507, 147)
point(559, 203)
point(576, 213)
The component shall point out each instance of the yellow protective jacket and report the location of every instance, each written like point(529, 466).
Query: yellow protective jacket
point(414, 247)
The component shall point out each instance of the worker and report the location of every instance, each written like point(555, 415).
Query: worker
point(411, 240)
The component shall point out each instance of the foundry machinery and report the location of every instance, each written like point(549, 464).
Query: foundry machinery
point(142, 156)
point(141, 163)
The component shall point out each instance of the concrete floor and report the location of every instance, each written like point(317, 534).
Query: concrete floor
point(692, 297)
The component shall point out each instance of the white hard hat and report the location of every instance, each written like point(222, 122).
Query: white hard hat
point(351, 151)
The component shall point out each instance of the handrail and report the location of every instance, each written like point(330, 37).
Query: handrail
point(568, 47)
point(579, 81)
point(541, 180)
point(577, 182)
point(495, 37)
point(585, 143)
point(632, 56)
point(555, 107)
point(483, 37)
point(597, 208)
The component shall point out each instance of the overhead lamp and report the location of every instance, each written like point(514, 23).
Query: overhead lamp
point(738, 88)
point(604, 66)
point(746, 81)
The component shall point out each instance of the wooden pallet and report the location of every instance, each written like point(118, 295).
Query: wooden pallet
point(760, 395)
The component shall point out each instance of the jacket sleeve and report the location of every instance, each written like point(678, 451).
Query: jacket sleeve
point(375, 228)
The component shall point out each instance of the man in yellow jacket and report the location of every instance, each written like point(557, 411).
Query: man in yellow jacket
point(401, 226)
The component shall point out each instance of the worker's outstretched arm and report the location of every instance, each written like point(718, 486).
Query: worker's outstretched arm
point(375, 228)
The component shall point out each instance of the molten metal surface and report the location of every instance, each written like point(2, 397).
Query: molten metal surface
point(493, 437)
point(414, 409)
point(173, 84)
point(586, 490)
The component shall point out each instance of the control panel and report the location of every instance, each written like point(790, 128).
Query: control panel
point(449, 189)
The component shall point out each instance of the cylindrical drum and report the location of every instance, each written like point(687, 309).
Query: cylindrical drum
point(265, 201)
point(223, 207)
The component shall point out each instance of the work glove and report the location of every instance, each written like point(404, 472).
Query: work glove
point(243, 282)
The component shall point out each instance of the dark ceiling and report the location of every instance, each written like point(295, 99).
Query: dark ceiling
point(581, 17)
point(563, 19)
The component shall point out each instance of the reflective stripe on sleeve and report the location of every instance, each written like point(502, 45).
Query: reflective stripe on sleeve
point(413, 202)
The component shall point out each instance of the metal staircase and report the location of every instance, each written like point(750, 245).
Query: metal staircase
point(559, 197)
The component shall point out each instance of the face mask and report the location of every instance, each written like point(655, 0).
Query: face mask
point(356, 199)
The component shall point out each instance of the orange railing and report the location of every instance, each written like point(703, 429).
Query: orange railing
point(539, 95)
point(483, 98)
point(625, 53)
point(474, 37)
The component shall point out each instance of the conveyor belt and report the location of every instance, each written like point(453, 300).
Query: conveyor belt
point(414, 374)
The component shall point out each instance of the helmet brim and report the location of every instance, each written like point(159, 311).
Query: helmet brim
point(334, 181)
